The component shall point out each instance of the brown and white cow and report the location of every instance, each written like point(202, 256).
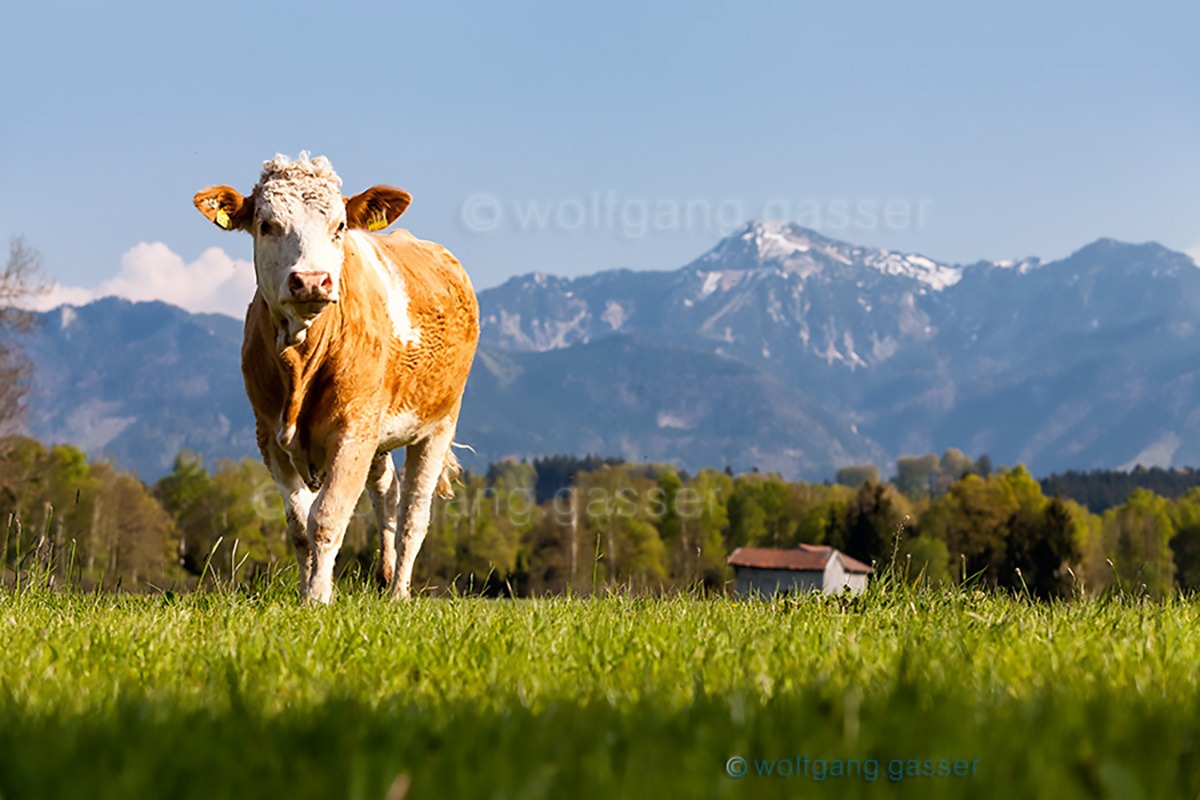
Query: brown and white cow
point(355, 344)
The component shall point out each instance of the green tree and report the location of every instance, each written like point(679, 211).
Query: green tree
point(855, 476)
point(821, 514)
point(250, 514)
point(500, 518)
point(712, 489)
point(476, 540)
point(1005, 529)
point(229, 519)
point(672, 528)
point(747, 518)
point(1045, 538)
point(916, 476)
point(971, 520)
point(1185, 544)
point(691, 517)
point(953, 466)
point(925, 558)
point(548, 565)
point(619, 505)
point(184, 493)
point(138, 537)
point(872, 524)
point(57, 505)
point(1139, 533)
point(643, 562)
point(758, 512)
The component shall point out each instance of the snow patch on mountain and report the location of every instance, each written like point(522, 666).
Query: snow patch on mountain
point(1158, 453)
point(1022, 267)
point(935, 276)
point(614, 315)
point(675, 420)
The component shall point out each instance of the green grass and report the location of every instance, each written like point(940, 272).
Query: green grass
point(253, 695)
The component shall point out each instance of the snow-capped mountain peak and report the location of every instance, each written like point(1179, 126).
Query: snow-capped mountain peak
point(801, 251)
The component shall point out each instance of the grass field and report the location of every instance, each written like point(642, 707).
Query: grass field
point(228, 694)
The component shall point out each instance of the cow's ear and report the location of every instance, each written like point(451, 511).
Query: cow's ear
point(225, 207)
point(376, 208)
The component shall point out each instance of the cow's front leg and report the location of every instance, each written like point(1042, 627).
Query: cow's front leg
point(332, 509)
point(383, 487)
point(297, 503)
point(424, 463)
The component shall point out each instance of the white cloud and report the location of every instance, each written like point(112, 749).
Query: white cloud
point(214, 282)
point(1194, 252)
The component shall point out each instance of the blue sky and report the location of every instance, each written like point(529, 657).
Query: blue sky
point(567, 138)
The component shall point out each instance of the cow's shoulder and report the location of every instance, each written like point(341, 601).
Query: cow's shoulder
point(260, 362)
point(420, 278)
point(422, 261)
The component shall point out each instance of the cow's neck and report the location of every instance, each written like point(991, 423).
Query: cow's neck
point(299, 365)
point(333, 335)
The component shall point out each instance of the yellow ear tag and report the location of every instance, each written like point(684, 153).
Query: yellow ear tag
point(222, 219)
point(378, 221)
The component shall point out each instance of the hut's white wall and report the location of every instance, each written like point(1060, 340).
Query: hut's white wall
point(767, 582)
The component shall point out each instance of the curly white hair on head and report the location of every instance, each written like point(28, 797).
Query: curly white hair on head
point(284, 168)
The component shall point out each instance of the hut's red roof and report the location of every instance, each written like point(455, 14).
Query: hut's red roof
point(805, 558)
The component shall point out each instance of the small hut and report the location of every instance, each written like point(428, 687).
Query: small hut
point(767, 571)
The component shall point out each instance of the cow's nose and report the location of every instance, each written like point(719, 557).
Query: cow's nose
point(308, 286)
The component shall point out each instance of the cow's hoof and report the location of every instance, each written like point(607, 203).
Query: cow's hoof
point(318, 595)
point(383, 581)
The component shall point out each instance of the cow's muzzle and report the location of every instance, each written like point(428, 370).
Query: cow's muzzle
point(310, 287)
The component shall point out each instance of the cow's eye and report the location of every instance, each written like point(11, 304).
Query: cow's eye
point(337, 234)
point(264, 228)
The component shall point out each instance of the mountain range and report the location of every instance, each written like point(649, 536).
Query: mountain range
point(779, 349)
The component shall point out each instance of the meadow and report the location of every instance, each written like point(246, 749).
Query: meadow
point(901, 692)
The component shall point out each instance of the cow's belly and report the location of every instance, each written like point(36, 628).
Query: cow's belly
point(401, 429)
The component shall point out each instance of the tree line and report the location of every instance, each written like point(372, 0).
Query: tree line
point(1101, 489)
point(565, 524)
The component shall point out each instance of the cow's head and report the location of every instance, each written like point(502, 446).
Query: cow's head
point(298, 218)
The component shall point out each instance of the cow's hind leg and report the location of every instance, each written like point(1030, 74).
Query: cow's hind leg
point(425, 470)
point(383, 487)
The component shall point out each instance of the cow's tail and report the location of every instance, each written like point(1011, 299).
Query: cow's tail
point(451, 469)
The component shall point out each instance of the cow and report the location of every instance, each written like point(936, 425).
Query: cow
point(356, 343)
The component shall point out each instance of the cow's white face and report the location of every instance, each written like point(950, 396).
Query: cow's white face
point(298, 227)
point(298, 218)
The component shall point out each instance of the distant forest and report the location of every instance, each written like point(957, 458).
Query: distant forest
point(581, 525)
point(1101, 489)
